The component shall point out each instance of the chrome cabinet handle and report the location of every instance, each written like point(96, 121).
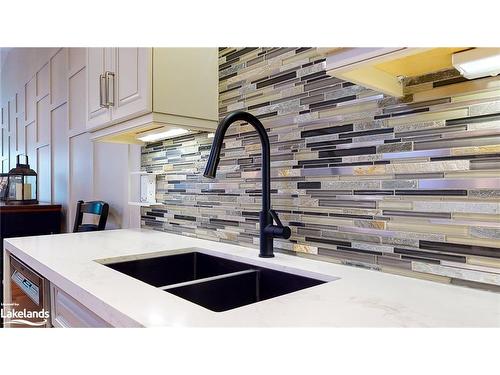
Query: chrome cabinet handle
point(102, 91)
point(110, 88)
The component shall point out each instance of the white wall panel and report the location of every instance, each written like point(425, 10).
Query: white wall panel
point(42, 81)
point(80, 170)
point(12, 146)
point(58, 77)
point(21, 100)
point(43, 121)
point(30, 100)
point(6, 150)
point(44, 178)
point(31, 144)
point(60, 162)
point(20, 133)
point(76, 57)
point(3, 132)
point(134, 212)
point(77, 97)
point(111, 180)
point(21, 64)
point(11, 113)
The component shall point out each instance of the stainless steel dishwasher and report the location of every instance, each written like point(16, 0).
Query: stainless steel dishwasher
point(30, 302)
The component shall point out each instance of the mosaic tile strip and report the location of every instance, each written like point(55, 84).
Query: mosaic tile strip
point(390, 184)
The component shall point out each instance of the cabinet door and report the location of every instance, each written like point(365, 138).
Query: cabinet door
point(99, 60)
point(66, 312)
point(132, 86)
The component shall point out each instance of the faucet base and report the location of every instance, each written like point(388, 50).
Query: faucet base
point(266, 256)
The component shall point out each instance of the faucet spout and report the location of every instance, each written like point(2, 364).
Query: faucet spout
point(268, 230)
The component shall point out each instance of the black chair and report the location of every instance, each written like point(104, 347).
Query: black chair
point(99, 208)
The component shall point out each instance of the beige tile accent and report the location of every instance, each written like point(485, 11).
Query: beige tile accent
point(301, 248)
point(472, 174)
point(232, 144)
point(458, 89)
point(437, 166)
point(476, 96)
point(485, 108)
point(362, 177)
point(417, 88)
point(311, 53)
point(179, 177)
point(306, 155)
point(476, 150)
point(349, 185)
point(328, 221)
point(460, 273)
point(348, 109)
point(406, 127)
point(362, 211)
point(428, 116)
point(372, 247)
point(226, 235)
point(356, 158)
point(371, 170)
point(484, 262)
point(492, 233)
point(252, 148)
point(374, 224)
point(256, 71)
point(467, 206)
point(428, 228)
point(386, 205)
point(470, 266)
point(305, 202)
point(291, 91)
point(484, 126)
point(289, 136)
point(473, 241)
point(475, 216)
point(417, 275)
point(286, 172)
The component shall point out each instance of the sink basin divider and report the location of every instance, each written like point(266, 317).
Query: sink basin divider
point(198, 281)
point(257, 286)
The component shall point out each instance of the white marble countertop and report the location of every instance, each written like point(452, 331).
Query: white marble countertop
point(358, 298)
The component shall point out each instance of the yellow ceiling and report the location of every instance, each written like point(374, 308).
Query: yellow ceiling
point(420, 63)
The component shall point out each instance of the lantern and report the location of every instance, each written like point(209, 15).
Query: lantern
point(19, 185)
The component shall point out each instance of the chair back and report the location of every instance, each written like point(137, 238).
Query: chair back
point(99, 208)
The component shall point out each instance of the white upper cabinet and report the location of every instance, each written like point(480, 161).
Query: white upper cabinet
point(134, 90)
point(186, 82)
point(99, 60)
point(132, 86)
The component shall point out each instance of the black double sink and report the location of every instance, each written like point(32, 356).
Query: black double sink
point(215, 283)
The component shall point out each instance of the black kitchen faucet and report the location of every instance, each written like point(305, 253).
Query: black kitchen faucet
point(268, 231)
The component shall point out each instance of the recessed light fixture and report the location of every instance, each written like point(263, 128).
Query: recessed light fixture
point(477, 62)
point(156, 136)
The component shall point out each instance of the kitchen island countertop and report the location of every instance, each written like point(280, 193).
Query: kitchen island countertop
point(358, 298)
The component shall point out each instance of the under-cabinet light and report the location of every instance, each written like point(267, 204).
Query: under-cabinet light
point(477, 62)
point(175, 132)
